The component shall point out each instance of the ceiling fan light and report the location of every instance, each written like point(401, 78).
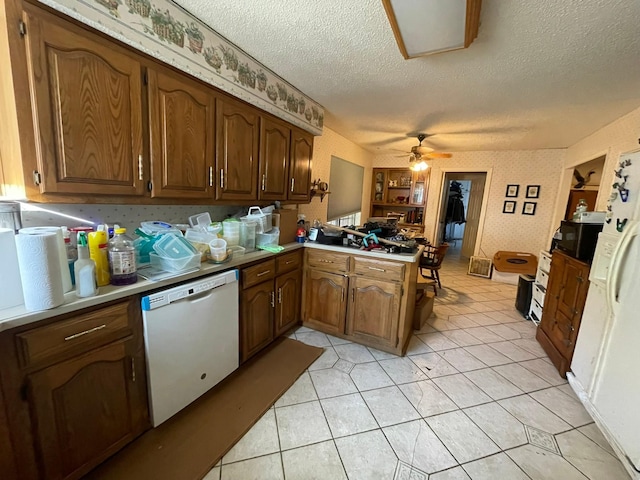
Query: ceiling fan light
point(419, 166)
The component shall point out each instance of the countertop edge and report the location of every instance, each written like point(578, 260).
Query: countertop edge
point(18, 316)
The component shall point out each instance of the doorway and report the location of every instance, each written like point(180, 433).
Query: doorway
point(461, 211)
point(585, 185)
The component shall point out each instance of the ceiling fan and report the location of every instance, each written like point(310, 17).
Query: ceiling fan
point(419, 154)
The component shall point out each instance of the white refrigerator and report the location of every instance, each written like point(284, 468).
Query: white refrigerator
point(605, 370)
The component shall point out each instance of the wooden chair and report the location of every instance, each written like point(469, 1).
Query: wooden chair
point(431, 260)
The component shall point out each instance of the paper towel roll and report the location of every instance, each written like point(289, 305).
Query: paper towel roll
point(40, 270)
point(10, 285)
point(62, 253)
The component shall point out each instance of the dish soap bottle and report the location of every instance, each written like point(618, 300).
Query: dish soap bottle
point(581, 207)
point(122, 259)
point(98, 252)
point(84, 269)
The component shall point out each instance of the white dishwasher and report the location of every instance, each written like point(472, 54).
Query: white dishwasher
point(191, 341)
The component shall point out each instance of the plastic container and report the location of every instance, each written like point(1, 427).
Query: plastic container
point(237, 250)
point(158, 228)
point(231, 231)
point(263, 220)
point(84, 270)
point(98, 251)
point(218, 249)
point(271, 238)
point(175, 264)
point(122, 259)
point(248, 235)
point(201, 220)
point(173, 246)
point(200, 241)
point(581, 207)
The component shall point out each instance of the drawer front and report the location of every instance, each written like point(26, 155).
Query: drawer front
point(542, 278)
point(380, 269)
point(538, 294)
point(258, 273)
point(536, 311)
point(91, 329)
point(328, 261)
point(544, 263)
point(288, 262)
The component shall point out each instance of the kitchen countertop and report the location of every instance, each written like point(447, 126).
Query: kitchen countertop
point(18, 316)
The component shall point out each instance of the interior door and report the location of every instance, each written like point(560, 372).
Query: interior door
point(474, 211)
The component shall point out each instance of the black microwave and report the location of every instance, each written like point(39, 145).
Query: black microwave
point(578, 240)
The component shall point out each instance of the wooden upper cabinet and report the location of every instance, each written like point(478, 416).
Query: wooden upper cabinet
point(274, 160)
point(237, 134)
point(181, 125)
point(300, 166)
point(86, 95)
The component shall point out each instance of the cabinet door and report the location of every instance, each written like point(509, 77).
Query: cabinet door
point(84, 408)
point(325, 301)
point(300, 166)
point(288, 301)
point(86, 95)
point(237, 132)
point(256, 320)
point(419, 188)
point(181, 116)
point(274, 159)
point(374, 310)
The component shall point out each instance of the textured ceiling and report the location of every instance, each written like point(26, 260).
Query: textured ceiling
point(541, 74)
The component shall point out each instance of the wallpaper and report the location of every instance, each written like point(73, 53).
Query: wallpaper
point(502, 231)
point(163, 30)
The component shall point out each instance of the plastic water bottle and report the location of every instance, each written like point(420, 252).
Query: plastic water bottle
point(85, 270)
point(122, 259)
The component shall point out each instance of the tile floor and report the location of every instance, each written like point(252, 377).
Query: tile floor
point(475, 398)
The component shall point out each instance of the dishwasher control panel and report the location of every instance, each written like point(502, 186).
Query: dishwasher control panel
point(171, 295)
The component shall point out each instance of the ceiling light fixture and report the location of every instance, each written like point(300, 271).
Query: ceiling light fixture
point(425, 27)
point(417, 164)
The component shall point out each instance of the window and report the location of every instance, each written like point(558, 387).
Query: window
point(353, 219)
point(345, 183)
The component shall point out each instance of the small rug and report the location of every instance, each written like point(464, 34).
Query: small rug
point(190, 443)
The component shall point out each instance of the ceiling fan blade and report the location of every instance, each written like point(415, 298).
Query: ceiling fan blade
point(437, 155)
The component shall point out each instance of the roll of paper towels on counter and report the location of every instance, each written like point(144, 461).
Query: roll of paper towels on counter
point(65, 274)
point(39, 261)
point(10, 284)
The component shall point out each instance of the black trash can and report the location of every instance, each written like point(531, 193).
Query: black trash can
point(525, 292)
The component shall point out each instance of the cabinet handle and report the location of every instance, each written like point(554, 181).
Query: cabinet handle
point(353, 295)
point(86, 332)
point(211, 176)
point(342, 295)
point(288, 262)
point(325, 261)
point(263, 273)
point(280, 296)
point(133, 369)
point(293, 183)
point(273, 299)
point(264, 181)
point(221, 178)
point(140, 169)
point(377, 269)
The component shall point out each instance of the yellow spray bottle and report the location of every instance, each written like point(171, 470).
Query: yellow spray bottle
point(98, 243)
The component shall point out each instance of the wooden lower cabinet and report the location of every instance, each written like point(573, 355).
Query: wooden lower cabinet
point(563, 306)
point(364, 299)
point(269, 302)
point(75, 390)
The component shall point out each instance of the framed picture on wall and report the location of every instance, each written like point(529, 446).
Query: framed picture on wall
point(533, 191)
point(509, 206)
point(512, 191)
point(529, 208)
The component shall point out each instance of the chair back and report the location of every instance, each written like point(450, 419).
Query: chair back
point(433, 256)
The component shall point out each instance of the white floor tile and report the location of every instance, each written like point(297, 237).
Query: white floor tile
point(301, 391)
point(488, 355)
point(369, 376)
point(214, 474)
point(595, 435)
point(316, 339)
point(427, 399)
point(260, 468)
point(456, 473)
point(332, 382)
point(380, 355)
point(403, 370)
point(503, 330)
point(367, 456)
point(441, 324)
point(461, 390)
point(389, 406)
point(354, 353)
point(589, 458)
point(327, 360)
point(463, 320)
point(301, 424)
point(502, 427)
point(493, 384)
point(544, 370)
point(461, 436)
point(338, 340)
point(462, 337)
point(531, 413)
point(568, 408)
point(417, 346)
point(348, 415)
point(483, 317)
point(261, 439)
point(512, 351)
point(462, 360)
point(433, 365)
point(521, 377)
point(483, 334)
point(531, 346)
point(493, 467)
point(319, 461)
point(417, 445)
point(542, 465)
point(437, 341)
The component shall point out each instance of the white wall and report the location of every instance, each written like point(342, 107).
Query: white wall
point(332, 143)
point(513, 232)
